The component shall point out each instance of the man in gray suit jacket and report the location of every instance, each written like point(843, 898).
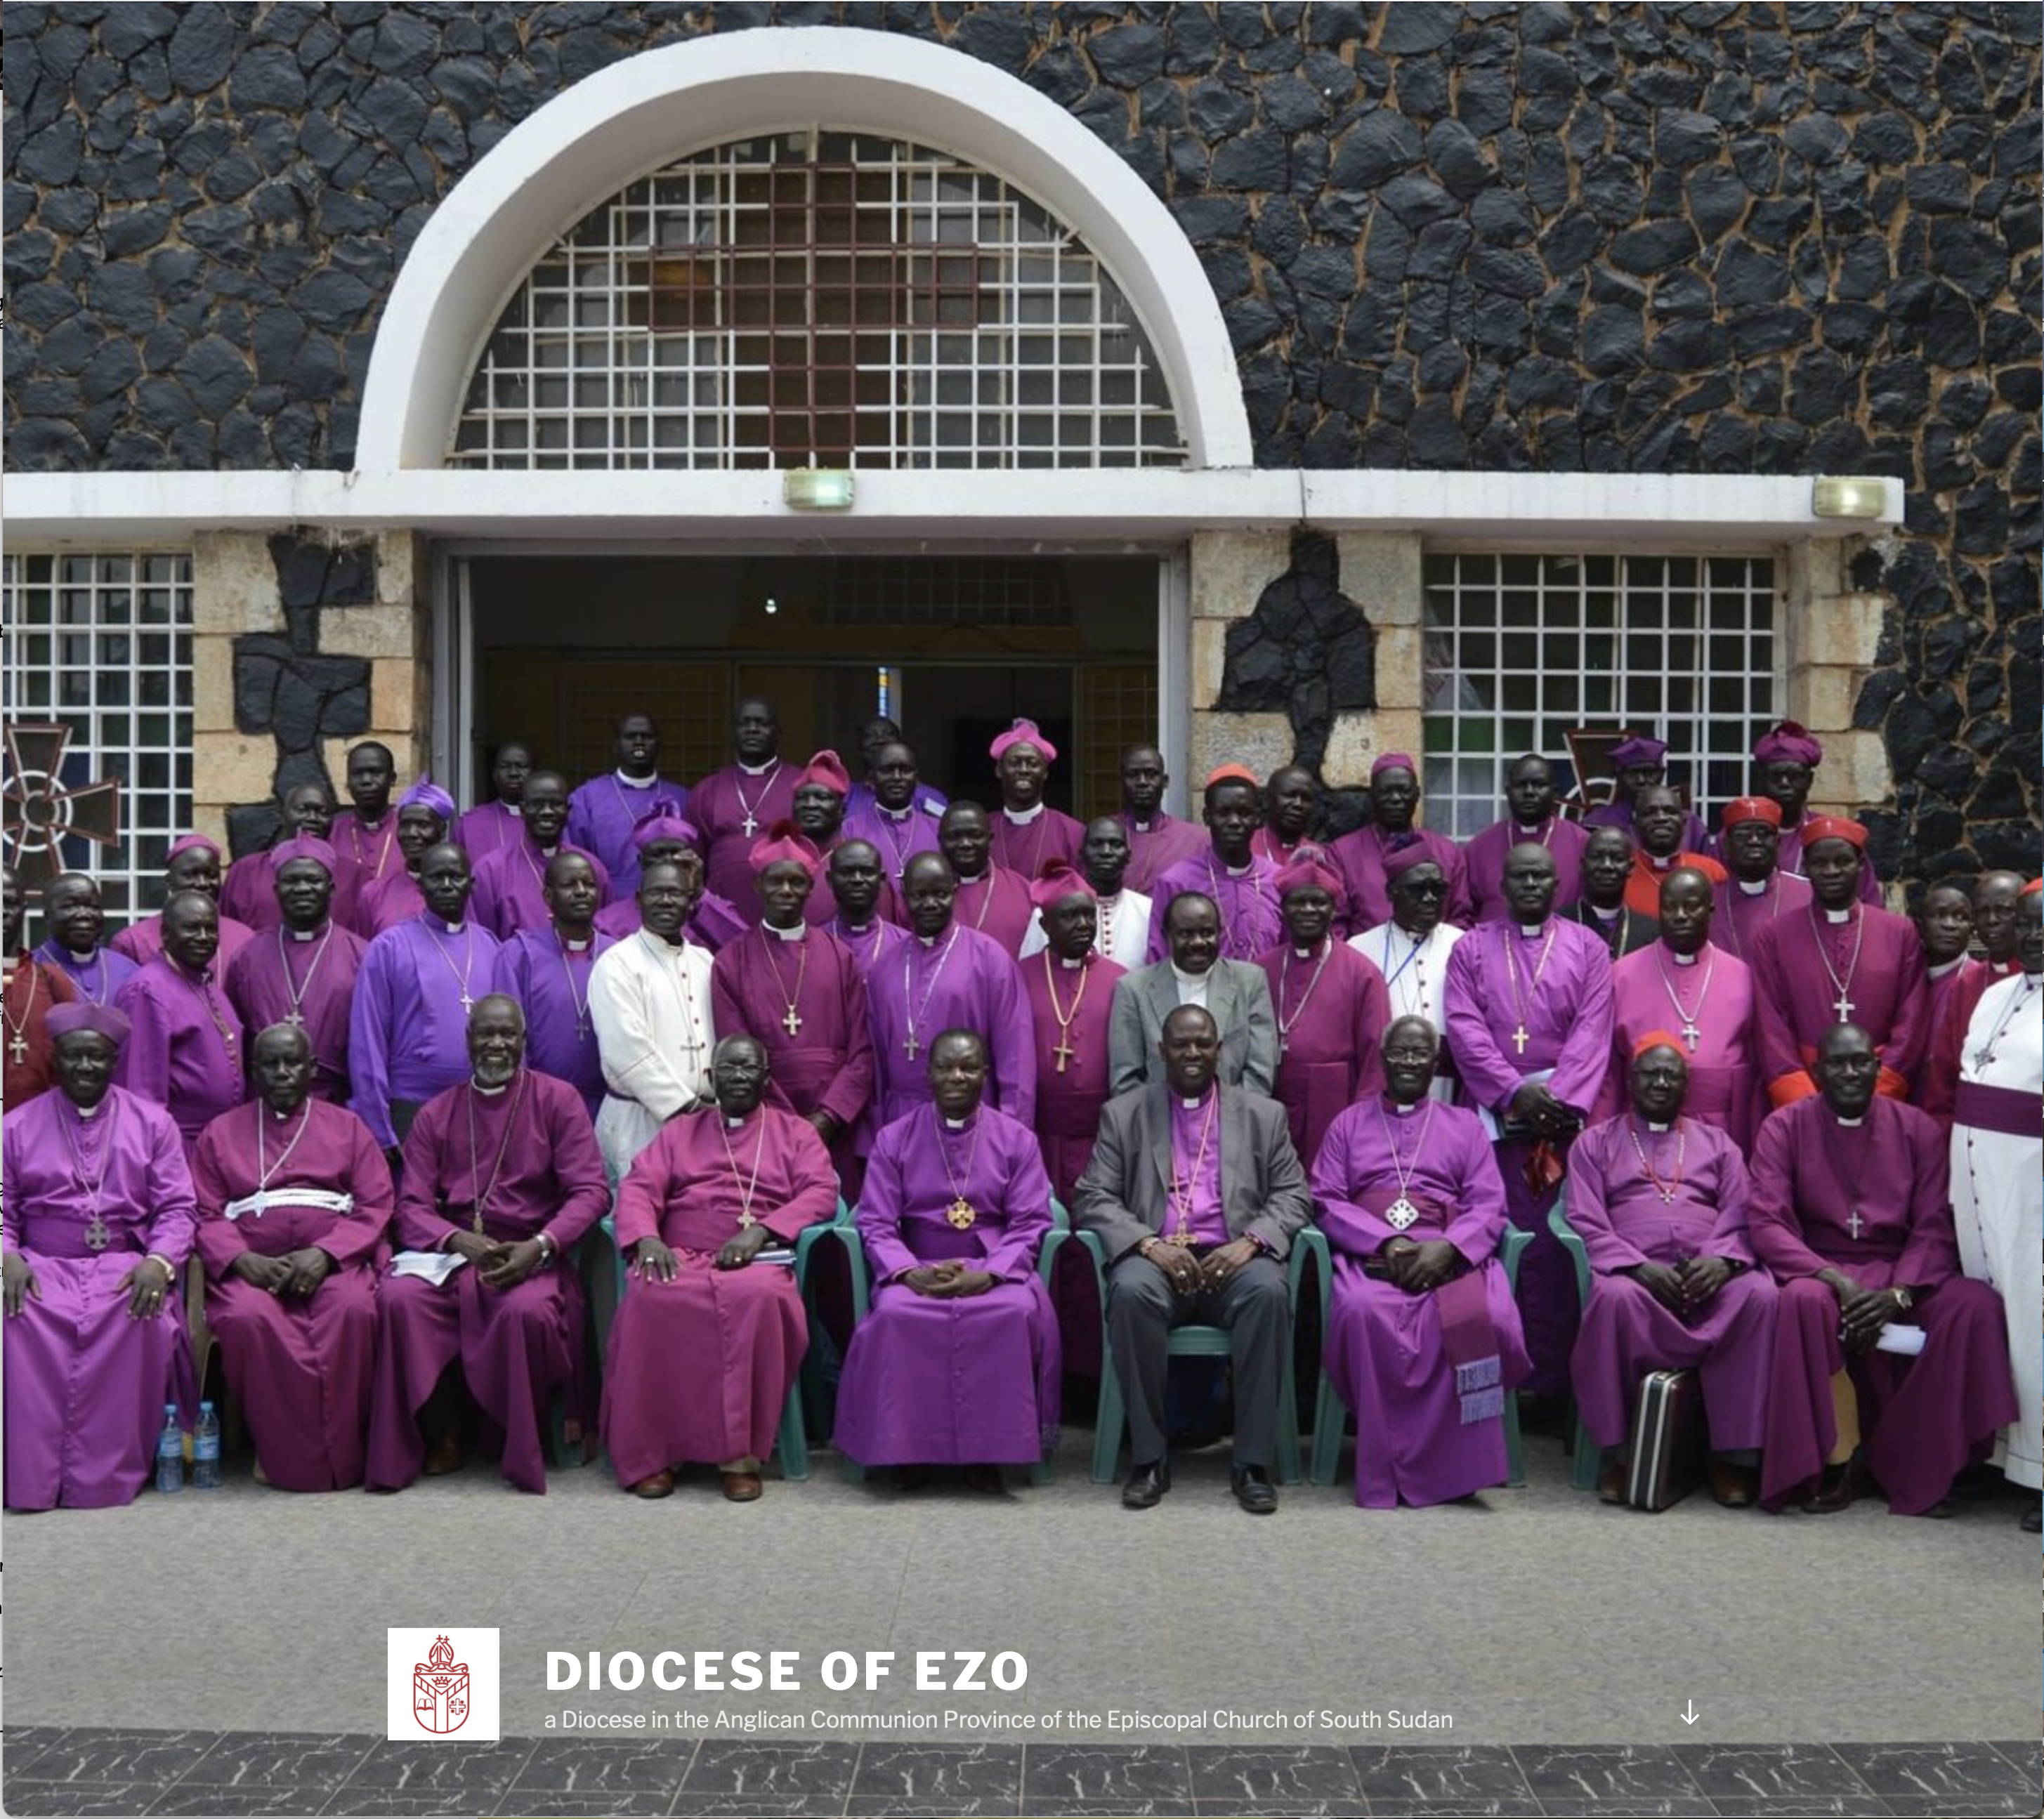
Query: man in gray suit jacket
point(1194, 1191)
point(1236, 992)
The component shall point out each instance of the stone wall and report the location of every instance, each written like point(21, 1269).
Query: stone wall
point(1774, 239)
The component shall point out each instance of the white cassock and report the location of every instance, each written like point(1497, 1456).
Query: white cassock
point(649, 1005)
point(1414, 972)
point(1998, 1194)
point(1123, 934)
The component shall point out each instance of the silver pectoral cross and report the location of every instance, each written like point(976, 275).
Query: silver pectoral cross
point(1844, 1006)
point(1691, 1034)
point(749, 825)
point(18, 1050)
point(1401, 1213)
point(97, 1235)
point(793, 1022)
point(1855, 1225)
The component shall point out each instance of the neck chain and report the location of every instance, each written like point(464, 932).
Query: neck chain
point(890, 826)
point(1064, 1051)
point(674, 968)
point(296, 993)
point(1523, 1000)
point(1402, 1213)
point(467, 959)
point(1284, 985)
point(1237, 929)
point(18, 1032)
point(1182, 1192)
point(477, 1187)
point(357, 828)
point(1036, 850)
point(617, 789)
point(910, 1010)
point(1834, 1139)
point(1842, 1003)
point(1691, 1034)
point(1984, 1055)
point(1668, 1188)
point(869, 936)
point(961, 1212)
point(579, 999)
point(746, 1188)
point(202, 984)
point(97, 1235)
point(749, 825)
point(986, 901)
point(1770, 895)
point(267, 1171)
point(791, 1019)
point(77, 970)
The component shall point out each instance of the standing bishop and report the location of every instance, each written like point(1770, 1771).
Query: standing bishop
point(1240, 881)
point(1070, 985)
point(1533, 814)
point(1360, 857)
point(734, 806)
point(1027, 832)
point(604, 812)
point(184, 1052)
point(1756, 891)
point(511, 883)
point(1157, 841)
point(33, 987)
point(548, 971)
point(302, 969)
point(1411, 950)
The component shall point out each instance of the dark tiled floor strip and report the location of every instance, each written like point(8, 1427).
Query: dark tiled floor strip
point(49, 1770)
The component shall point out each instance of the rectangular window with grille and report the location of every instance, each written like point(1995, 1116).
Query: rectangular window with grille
point(1546, 653)
point(97, 686)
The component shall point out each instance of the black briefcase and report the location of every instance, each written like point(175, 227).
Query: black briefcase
point(1669, 1440)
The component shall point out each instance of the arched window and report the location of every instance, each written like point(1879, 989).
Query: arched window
point(818, 297)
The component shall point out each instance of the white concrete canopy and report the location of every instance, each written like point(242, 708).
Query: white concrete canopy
point(591, 141)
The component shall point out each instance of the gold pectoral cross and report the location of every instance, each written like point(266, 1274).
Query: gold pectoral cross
point(1064, 1051)
point(1520, 1038)
point(961, 1212)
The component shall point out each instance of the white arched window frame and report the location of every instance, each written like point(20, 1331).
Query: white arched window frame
point(818, 297)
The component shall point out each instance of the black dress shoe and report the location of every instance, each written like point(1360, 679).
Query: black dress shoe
point(2033, 1518)
point(1254, 1491)
point(1146, 1485)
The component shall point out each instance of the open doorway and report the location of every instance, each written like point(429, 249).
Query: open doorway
point(954, 647)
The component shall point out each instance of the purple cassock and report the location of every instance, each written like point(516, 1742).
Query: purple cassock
point(528, 1149)
point(734, 1337)
point(408, 1028)
point(1559, 995)
point(87, 1198)
point(1810, 971)
point(367, 854)
point(760, 984)
point(869, 945)
point(997, 903)
point(186, 1050)
point(962, 981)
point(731, 808)
point(248, 893)
point(1875, 1201)
point(1249, 923)
point(1937, 1084)
point(603, 812)
point(487, 826)
point(1696, 836)
point(394, 898)
point(1023, 847)
point(1626, 1217)
point(97, 978)
point(714, 923)
point(284, 977)
point(1332, 1008)
point(972, 1380)
point(1359, 857)
point(510, 887)
point(1738, 914)
point(550, 979)
point(1483, 861)
point(1788, 858)
point(898, 838)
point(143, 940)
point(1706, 1002)
point(1424, 1375)
point(1155, 846)
point(301, 1366)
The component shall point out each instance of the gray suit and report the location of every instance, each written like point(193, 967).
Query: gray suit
point(1238, 996)
point(1124, 1197)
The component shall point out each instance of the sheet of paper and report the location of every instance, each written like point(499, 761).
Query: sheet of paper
point(436, 1266)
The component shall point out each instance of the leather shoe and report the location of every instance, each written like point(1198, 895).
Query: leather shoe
point(1834, 1492)
point(660, 1483)
point(1611, 1479)
point(1146, 1485)
point(742, 1487)
point(1732, 1485)
point(986, 1479)
point(1254, 1491)
point(2033, 1518)
point(445, 1455)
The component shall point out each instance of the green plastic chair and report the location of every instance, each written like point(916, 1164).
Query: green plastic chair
point(1588, 1456)
point(792, 1442)
point(1331, 1415)
point(1195, 1342)
point(862, 1303)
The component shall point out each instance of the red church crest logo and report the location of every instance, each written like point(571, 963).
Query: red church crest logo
point(39, 811)
point(439, 1690)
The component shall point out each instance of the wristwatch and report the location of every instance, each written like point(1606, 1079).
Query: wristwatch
point(1903, 1299)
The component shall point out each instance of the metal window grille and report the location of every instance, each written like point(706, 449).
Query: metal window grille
point(1522, 649)
point(691, 700)
point(1117, 709)
point(818, 297)
point(100, 647)
point(949, 590)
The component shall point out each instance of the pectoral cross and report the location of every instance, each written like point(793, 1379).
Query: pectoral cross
point(961, 1212)
point(746, 1222)
point(1520, 1038)
point(793, 1022)
point(1064, 1051)
point(1855, 1224)
point(1691, 1033)
point(294, 1020)
point(1844, 1006)
point(17, 1052)
point(467, 1003)
point(910, 1046)
point(750, 826)
point(97, 1236)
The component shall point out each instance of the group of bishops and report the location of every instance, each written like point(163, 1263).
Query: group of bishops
point(375, 1082)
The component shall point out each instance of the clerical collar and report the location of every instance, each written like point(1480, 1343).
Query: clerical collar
point(484, 1091)
point(306, 933)
point(280, 1117)
point(1106, 899)
point(1834, 915)
point(1072, 965)
point(795, 934)
point(1846, 1123)
point(88, 1112)
point(1752, 889)
point(1601, 913)
point(1022, 817)
point(1189, 979)
point(759, 769)
point(573, 946)
point(630, 783)
point(1682, 959)
point(1405, 1110)
point(1945, 966)
point(731, 1123)
point(956, 1123)
point(927, 940)
point(854, 927)
point(1658, 1129)
point(1301, 953)
point(1194, 1104)
point(1533, 931)
point(511, 808)
point(1140, 826)
point(454, 927)
point(900, 814)
point(1661, 865)
point(1243, 869)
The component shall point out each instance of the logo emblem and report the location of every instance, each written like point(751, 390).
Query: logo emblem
point(40, 809)
point(439, 1690)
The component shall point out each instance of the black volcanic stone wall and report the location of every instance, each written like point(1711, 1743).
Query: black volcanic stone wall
point(1716, 238)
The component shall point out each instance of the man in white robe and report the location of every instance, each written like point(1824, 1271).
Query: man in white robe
point(1411, 949)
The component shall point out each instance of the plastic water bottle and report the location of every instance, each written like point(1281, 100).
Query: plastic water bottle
point(205, 1450)
point(171, 1452)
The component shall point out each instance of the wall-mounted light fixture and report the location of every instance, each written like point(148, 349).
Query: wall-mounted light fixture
point(1848, 498)
point(817, 488)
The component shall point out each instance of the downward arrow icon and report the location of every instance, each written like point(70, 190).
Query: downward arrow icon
point(1689, 1714)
